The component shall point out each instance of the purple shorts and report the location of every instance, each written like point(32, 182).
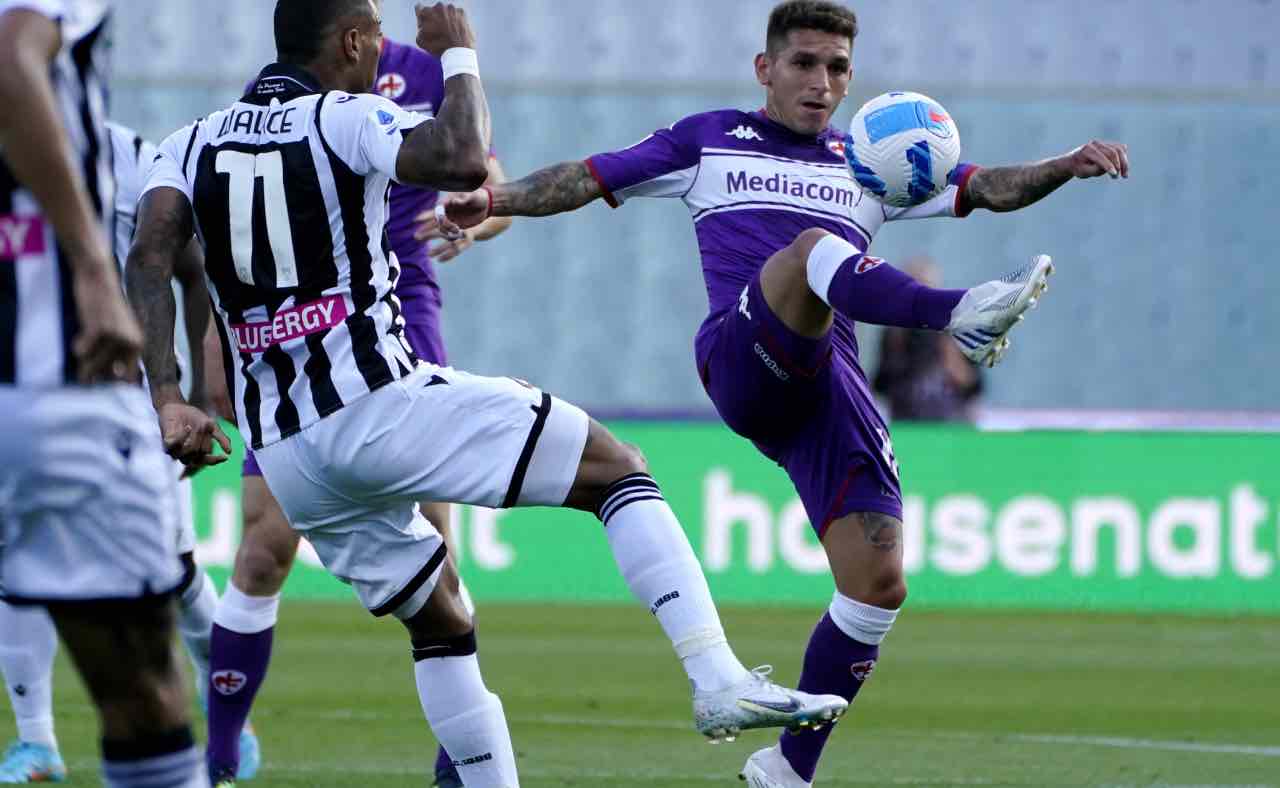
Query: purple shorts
point(420, 307)
point(806, 405)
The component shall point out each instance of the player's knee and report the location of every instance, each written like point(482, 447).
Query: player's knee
point(805, 241)
point(631, 460)
point(888, 590)
point(262, 566)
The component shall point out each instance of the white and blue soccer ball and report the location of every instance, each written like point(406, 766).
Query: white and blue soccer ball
point(901, 147)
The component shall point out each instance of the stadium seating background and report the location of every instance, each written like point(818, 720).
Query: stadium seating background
point(1164, 298)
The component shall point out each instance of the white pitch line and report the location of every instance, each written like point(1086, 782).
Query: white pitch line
point(1150, 744)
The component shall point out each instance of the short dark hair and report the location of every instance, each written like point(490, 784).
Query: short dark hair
point(301, 26)
point(809, 15)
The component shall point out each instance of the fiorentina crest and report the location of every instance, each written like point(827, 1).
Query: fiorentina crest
point(228, 682)
point(861, 670)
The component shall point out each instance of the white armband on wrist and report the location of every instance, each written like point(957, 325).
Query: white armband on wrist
point(460, 60)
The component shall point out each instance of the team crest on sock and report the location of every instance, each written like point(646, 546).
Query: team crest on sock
point(228, 682)
point(867, 263)
point(861, 670)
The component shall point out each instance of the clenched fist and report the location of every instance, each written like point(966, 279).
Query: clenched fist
point(443, 26)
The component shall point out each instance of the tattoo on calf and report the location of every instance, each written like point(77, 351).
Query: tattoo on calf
point(881, 531)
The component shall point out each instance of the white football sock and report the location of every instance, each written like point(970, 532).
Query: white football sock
point(195, 625)
point(239, 612)
point(30, 641)
point(654, 557)
point(468, 720)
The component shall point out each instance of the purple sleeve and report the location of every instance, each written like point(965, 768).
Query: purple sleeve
point(663, 164)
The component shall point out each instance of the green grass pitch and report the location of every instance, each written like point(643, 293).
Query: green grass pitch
point(595, 698)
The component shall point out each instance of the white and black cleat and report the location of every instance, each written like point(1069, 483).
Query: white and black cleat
point(757, 702)
point(981, 322)
point(768, 768)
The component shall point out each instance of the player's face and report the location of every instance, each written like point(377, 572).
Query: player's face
point(807, 79)
point(370, 47)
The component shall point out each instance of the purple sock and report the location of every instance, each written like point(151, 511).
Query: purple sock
point(237, 667)
point(836, 664)
point(869, 290)
point(444, 764)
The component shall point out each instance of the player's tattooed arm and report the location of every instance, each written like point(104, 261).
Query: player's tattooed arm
point(882, 532)
point(551, 190)
point(165, 226)
point(450, 153)
point(1011, 188)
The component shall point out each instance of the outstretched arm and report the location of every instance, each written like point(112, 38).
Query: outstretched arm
point(1011, 188)
point(551, 190)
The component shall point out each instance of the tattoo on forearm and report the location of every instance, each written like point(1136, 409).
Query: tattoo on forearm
point(555, 189)
point(163, 232)
point(1011, 188)
point(881, 531)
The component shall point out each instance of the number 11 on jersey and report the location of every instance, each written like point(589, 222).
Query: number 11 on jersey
point(244, 169)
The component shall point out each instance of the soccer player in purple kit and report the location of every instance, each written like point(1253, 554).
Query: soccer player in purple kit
point(783, 229)
point(244, 624)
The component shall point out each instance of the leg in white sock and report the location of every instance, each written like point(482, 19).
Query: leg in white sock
point(195, 624)
point(465, 716)
point(29, 644)
point(655, 558)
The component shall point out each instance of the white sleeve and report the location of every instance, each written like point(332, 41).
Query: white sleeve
point(944, 204)
point(54, 9)
point(366, 131)
point(165, 167)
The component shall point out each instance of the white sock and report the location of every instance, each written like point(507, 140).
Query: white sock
point(654, 557)
point(864, 623)
point(195, 625)
point(468, 720)
point(239, 612)
point(26, 658)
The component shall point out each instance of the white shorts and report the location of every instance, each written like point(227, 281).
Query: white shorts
point(86, 497)
point(350, 483)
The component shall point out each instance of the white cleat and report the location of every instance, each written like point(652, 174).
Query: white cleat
point(767, 768)
point(981, 322)
point(757, 702)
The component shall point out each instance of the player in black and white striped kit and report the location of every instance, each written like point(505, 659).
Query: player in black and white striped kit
point(87, 526)
point(28, 641)
point(287, 191)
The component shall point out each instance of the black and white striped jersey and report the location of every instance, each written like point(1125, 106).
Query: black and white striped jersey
point(289, 189)
point(38, 318)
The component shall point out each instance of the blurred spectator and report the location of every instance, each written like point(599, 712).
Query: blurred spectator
point(922, 374)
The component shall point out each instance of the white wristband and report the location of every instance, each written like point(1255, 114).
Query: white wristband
point(460, 60)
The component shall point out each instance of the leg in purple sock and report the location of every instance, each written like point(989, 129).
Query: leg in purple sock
point(240, 650)
point(835, 663)
point(869, 290)
point(446, 772)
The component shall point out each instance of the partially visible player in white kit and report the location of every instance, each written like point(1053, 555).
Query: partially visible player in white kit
point(87, 496)
point(349, 427)
point(28, 641)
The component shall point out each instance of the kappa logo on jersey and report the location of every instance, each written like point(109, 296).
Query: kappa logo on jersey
point(228, 682)
point(289, 324)
point(20, 236)
point(742, 304)
point(867, 263)
point(861, 670)
point(391, 85)
point(745, 133)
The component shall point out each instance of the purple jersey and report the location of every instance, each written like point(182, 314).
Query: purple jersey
point(752, 185)
point(413, 79)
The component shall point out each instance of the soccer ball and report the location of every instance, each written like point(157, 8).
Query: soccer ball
point(901, 147)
